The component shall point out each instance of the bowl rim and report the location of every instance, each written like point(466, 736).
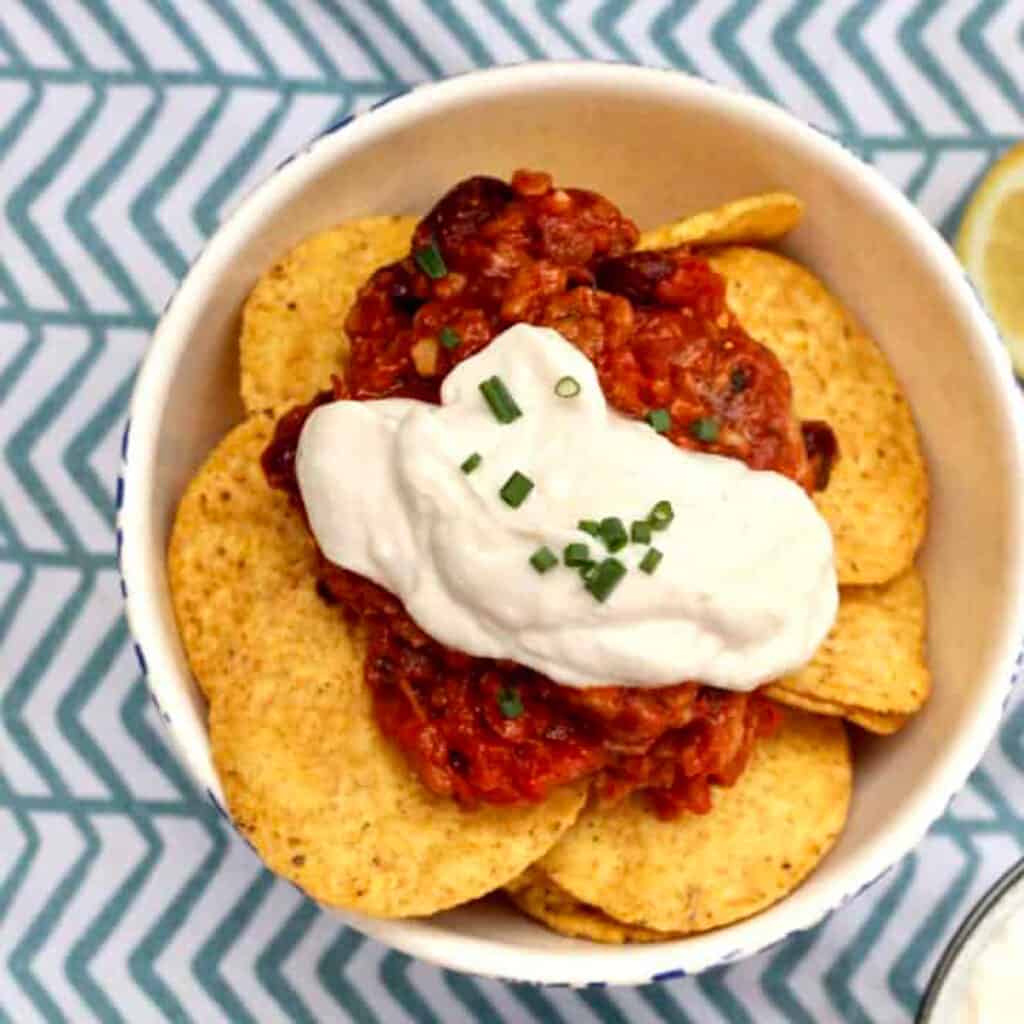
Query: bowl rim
point(1009, 880)
point(146, 609)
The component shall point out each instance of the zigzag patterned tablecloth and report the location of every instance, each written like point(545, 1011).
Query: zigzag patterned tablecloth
point(128, 130)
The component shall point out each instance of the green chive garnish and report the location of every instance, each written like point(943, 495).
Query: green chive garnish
point(543, 559)
point(576, 555)
point(516, 489)
point(430, 261)
point(606, 577)
point(567, 387)
point(591, 526)
point(472, 462)
point(651, 560)
point(738, 379)
point(509, 702)
point(660, 420)
point(449, 337)
point(705, 429)
point(640, 532)
point(613, 533)
point(587, 570)
point(661, 515)
point(502, 404)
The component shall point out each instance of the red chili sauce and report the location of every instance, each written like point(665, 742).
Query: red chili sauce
point(658, 330)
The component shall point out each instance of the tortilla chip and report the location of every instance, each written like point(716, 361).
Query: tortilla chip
point(873, 721)
point(876, 501)
point(538, 897)
point(234, 545)
point(761, 839)
point(877, 722)
point(330, 803)
point(293, 335)
point(755, 220)
point(873, 658)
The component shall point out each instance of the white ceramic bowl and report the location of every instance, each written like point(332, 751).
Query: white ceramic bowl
point(657, 143)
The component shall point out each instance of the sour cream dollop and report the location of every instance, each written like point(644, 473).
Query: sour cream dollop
point(995, 989)
point(744, 593)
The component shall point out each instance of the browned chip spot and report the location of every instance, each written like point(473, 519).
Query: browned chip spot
point(235, 544)
point(876, 501)
point(763, 836)
point(873, 658)
point(293, 335)
point(753, 220)
point(538, 897)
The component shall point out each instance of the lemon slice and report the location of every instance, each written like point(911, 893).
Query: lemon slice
point(990, 245)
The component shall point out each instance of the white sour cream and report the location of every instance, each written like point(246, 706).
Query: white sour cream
point(745, 592)
point(995, 989)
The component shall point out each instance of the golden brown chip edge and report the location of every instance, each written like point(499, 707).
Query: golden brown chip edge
point(754, 220)
point(538, 897)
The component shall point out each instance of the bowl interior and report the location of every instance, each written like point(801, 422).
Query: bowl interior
point(659, 145)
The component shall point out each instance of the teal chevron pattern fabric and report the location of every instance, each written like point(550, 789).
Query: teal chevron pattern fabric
point(128, 131)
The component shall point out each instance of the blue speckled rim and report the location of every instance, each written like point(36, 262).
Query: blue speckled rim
point(1009, 880)
point(723, 959)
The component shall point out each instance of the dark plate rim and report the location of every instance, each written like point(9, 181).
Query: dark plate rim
point(1007, 881)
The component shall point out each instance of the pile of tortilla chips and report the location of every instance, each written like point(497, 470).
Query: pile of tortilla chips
point(333, 806)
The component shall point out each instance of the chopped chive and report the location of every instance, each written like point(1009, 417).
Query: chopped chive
point(472, 462)
point(705, 429)
point(606, 577)
point(640, 532)
point(567, 387)
point(543, 559)
point(591, 526)
point(502, 404)
point(430, 260)
point(613, 533)
point(587, 570)
point(738, 379)
point(651, 560)
point(516, 489)
point(660, 420)
point(576, 555)
point(449, 337)
point(509, 702)
point(661, 515)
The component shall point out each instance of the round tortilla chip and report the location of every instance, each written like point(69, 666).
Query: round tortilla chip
point(879, 722)
point(876, 500)
point(760, 840)
point(755, 220)
point(538, 897)
point(331, 804)
point(234, 545)
point(873, 657)
point(293, 335)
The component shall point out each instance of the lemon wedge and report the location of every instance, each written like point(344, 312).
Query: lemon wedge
point(990, 245)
